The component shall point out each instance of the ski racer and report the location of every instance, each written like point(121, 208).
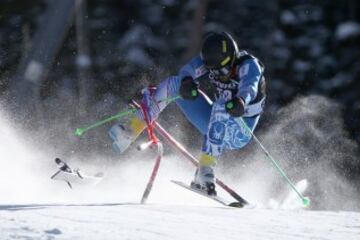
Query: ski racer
point(63, 165)
point(237, 89)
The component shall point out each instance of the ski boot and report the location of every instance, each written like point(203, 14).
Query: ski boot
point(204, 180)
point(125, 132)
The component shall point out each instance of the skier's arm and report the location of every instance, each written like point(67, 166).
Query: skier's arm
point(195, 69)
point(170, 87)
point(157, 101)
point(250, 75)
point(189, 76)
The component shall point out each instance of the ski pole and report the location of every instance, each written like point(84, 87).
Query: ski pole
point(305, 200)
point(169, 100)
point(80, 131)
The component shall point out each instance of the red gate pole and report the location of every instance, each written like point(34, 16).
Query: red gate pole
point(154, 141)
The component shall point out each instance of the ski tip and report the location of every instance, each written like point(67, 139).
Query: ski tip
point(179, 183)
point(242, 205)
point(236, 205)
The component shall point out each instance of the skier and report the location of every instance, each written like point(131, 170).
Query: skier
point(63, 165)
point(237, 88)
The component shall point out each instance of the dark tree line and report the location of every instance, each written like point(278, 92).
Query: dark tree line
point(307, 46)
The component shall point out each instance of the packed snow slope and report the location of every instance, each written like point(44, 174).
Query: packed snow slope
point(32, 206)
point(134, 221)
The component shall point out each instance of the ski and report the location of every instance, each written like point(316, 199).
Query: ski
point(214, 198)
point(74, 176)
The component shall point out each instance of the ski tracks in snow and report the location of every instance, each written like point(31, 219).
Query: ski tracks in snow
point(150, 222)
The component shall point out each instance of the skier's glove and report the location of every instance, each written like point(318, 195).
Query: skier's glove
point(235, 107)
point(151, 105)
point(189, 89)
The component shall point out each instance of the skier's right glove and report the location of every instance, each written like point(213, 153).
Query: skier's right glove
point(152, 107)
point(189, 89)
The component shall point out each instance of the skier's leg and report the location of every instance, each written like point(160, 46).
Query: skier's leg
point(204, 175)
point(236, 135)
point(224, 132)
point(197, 111)
point(213, 144)
point(128, 129)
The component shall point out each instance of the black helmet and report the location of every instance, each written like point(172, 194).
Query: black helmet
point(219, 51)
point(58, 160)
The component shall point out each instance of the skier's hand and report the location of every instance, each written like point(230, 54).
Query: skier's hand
point(189, 88)
point(235, 107)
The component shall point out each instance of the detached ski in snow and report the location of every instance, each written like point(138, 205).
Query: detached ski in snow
point(74, 176)
point(214, 198)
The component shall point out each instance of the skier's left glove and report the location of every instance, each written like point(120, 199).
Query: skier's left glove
point(235, 107)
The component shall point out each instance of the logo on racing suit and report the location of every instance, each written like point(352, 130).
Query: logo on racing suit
point(224, 90)
point(217, 133)
point(200, 71)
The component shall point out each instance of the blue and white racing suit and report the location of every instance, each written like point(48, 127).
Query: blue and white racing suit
point(221, 131)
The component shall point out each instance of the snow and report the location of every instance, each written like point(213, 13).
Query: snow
point(34, 207)
point(153, 221)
